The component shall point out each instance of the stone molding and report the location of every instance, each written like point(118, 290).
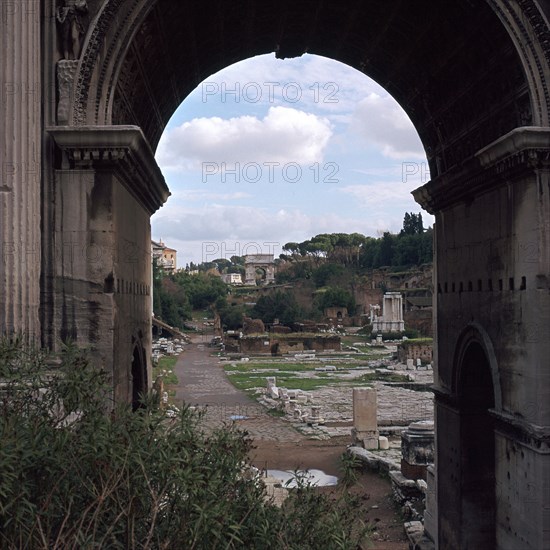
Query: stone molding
point(510, 157)
point(123, 149)
point(536, 437)
point(529, 145)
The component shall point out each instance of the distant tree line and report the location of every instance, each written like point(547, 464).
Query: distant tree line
point(235, 264)
point(331, 261)
point(410, 247)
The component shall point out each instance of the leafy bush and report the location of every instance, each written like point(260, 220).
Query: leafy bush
point(76, 472)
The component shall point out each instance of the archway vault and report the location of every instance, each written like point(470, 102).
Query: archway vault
point(465, 72)
point(475, 334)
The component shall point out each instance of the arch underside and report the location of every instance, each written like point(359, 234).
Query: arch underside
point(451, 65)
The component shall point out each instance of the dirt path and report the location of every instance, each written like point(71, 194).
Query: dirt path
point(203, 382)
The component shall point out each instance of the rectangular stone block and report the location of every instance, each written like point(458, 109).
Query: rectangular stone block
point(364, 410)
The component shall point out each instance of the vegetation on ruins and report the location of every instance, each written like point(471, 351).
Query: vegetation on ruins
point(279, 305)
point(76, 474)
point(332, 263)
point(251, 376)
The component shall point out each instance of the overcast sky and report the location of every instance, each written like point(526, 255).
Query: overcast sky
point(270, 151)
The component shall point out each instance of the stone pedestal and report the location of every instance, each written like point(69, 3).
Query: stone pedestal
point(365, 424)
point(417, 449)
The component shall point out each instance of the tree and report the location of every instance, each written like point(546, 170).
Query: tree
point(336, 297)
point(278, 305)
point(386, 250)
point(326, 272)
point(75, 475)
point(412, 224)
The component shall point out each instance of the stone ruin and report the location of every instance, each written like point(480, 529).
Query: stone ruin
point(417, 449)
point(294, 401)
point(263, 262)
point(391, 319)
point(365, 422)
point(253, 326)
point(413, 480)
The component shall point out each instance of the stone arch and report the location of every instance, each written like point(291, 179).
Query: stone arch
point(126, 65)
point(475, 334)
point(138, 375)
point(472, 76)
point(477, 450)
point(467, 446)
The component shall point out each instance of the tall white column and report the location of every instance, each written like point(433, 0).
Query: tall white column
point(20, 150)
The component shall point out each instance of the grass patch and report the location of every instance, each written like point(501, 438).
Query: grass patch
point(249, 381)
point(165, 369)
point(382, 377)
point(276, 412)
point(279, 365)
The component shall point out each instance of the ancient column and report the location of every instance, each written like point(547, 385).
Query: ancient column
point(20, 150)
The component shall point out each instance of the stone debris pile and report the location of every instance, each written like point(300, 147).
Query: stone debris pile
point(293, 402)
point(167, 346)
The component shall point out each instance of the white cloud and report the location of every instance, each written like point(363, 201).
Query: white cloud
point(193, 195)
point(382, 122)
point(283, 135)
point(380, 193)
point(364, 128)
point(322, 84)
point(225, 230)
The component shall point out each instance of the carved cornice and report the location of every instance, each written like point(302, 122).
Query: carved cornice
point(510, 157)
point(122, 149)
point(531, 435)
point(528, 146)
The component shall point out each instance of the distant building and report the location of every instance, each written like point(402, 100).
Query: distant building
point(166, 257)
point(232, 278)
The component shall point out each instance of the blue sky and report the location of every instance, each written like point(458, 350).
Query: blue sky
point(270, 151)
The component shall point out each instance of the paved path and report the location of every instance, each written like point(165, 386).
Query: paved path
point(203, 382)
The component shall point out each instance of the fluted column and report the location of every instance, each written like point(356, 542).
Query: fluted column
point(20, 150)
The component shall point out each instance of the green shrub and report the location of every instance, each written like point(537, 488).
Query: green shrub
point(78, 473)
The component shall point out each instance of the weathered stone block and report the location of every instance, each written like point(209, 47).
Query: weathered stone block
point(364, 409)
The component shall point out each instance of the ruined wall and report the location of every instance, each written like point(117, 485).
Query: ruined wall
point(420, 320)
point(254, 344)
point(412, 350)
point(292, 344)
